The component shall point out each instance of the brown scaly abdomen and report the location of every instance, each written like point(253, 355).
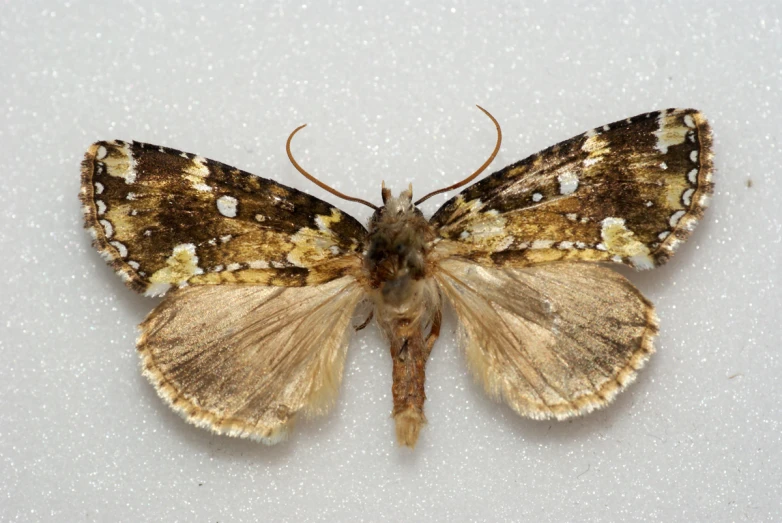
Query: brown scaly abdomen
point(410, 346)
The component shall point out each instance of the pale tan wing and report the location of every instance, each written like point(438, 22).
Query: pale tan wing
point(552, 341)
point(243, 360)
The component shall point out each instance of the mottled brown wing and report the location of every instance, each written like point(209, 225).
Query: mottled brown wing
point(243, 360)
point(629, 192)
point(165, 218)
point(553, 340)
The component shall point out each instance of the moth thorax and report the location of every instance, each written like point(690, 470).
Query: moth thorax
point(396, 254)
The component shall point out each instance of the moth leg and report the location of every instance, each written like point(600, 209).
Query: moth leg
point(434, 332)
point(366, 321)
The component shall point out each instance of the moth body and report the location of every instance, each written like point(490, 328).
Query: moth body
point(406, 300)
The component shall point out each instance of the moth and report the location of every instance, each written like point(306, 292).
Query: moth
point(261, 280)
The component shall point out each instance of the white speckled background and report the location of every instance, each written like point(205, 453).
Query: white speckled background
point(388, 93)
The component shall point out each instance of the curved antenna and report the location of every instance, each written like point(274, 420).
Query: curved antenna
point(315, 180)
point(480, 169)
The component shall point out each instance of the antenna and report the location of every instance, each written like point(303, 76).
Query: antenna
point(480, 169)
point(315, 180)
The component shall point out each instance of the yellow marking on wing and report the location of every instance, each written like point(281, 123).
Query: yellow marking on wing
point(196, 173)
point(120, 163)
point(620, 241)
point(180, 266)
point(670, 132)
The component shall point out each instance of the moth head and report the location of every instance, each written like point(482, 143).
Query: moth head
point(395, 209)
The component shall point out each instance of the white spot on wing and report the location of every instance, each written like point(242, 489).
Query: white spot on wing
point(694, 156)
point(675, 217)
point(233, 267)
point(687, 195)
point(688, 121)
point(568, 182)
point(101, 207)
point(642, 261)
point(227, 206)
point(157, 289)
point(121, 249)
point(107, 228)
point(542, 244)
point(536, 197)
point(611, 221)
point(98, 188)
point(692, 176)
point(101, 153)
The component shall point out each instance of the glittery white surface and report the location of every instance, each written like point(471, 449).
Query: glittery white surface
point(388, 93)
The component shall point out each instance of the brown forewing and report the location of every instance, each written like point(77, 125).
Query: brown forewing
point(164, 218)
point(627, 192)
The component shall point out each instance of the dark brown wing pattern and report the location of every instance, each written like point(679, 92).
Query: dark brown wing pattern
point(164, 218)
point(628, 192)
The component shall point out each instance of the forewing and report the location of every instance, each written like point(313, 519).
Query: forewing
point(628, 192)
point(553, 340)
point(165, 218)
point(243, 360)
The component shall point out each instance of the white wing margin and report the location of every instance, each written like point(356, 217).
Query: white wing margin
point(554, 340)
point(243, 360)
